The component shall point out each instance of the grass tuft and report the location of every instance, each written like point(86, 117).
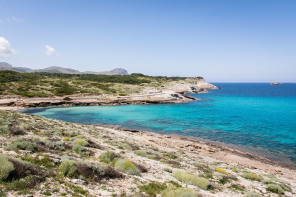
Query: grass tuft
point(6, 167)
point(251, 176)
point(181, 192)
point(191, 179)
point(126, 166)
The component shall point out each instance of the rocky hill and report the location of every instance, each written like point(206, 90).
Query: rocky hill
point(56, 69)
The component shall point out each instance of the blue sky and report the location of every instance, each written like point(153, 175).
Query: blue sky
point(221, 40)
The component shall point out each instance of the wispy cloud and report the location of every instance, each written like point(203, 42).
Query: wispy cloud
point(11, 19)
point(5, 48)
point(50, 51)
point(15, 19)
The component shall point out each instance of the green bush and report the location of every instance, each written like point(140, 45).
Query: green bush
point(108, 157)
point(4, 129)
point(22, 144)
point(191, 179)
point(222, 171)
point(251, 176)
point(55, 145)
point(181, 192)
point(141, 153)
point(170, 155)
point(39, 160)
point(275, 188)
point(5, 168)
point(81, 142)
point(126, 166)
point(152, 189)
point(67, 168)
point(154, 157)
point(167, 170)
point(252, 194)
point(78, 148)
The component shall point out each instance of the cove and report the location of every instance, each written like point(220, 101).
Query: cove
point(255, 116)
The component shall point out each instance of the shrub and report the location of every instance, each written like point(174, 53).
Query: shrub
point(152, 157)
point(252, 194)
point(70, 134)
point(78, 148)
point(18, 130)
point(251, 176)
point(5, 168)
point(68, 168)
point(167, 170)
point(39, 160)
point(66, 138)
point(153, 188)
point(81, 142)
point(55, 145)
point(108, 157)
point(237, 187)
point(90, 171)
point(170, 155)
point(141, 153)
point(181, 192)
point(221, 170)
point(23, 169)
point(191, 179)
point(126, 166)
point(173, 162)
point(275, 188)
point(4, 129)
point(21, 144)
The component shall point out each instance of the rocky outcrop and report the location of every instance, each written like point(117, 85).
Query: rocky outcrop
point(191, 86)
point(165, 97)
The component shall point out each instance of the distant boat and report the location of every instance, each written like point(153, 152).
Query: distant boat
point(274, 83)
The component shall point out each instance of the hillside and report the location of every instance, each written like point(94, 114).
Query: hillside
point(56, 69)
point(57, 84)
point(54, 158)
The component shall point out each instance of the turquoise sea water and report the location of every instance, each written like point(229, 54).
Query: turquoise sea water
point(255, 116)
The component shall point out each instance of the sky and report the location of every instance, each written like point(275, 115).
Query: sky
point(220, 40)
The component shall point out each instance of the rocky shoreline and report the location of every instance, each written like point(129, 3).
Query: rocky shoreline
point(225, 171)
point(21, 103)
point(218, 151)
point(173, 92)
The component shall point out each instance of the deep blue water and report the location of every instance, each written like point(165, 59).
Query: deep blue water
point(256, 116)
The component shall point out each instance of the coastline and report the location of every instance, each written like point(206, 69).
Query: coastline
point(225, 170)
point(14, 104)
point(217, 150)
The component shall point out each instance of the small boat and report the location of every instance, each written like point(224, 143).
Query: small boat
point(274, 83)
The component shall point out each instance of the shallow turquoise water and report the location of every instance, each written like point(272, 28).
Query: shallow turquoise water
point(259, 117)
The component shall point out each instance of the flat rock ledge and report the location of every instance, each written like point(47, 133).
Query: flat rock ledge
point(157, 98)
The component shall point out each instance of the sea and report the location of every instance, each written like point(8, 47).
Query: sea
point(255, 117)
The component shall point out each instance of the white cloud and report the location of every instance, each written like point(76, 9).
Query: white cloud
point(11, 19)
point(15, 19)
point(50, 51)
point(5, 48)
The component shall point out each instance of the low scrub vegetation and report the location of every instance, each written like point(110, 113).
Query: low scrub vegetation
point(153, 188)
point(251, 176)
point(108, 157)
point(126, 166)
point(6, 167)
point(191, 179)
point(275, 188)
point(180, 192)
